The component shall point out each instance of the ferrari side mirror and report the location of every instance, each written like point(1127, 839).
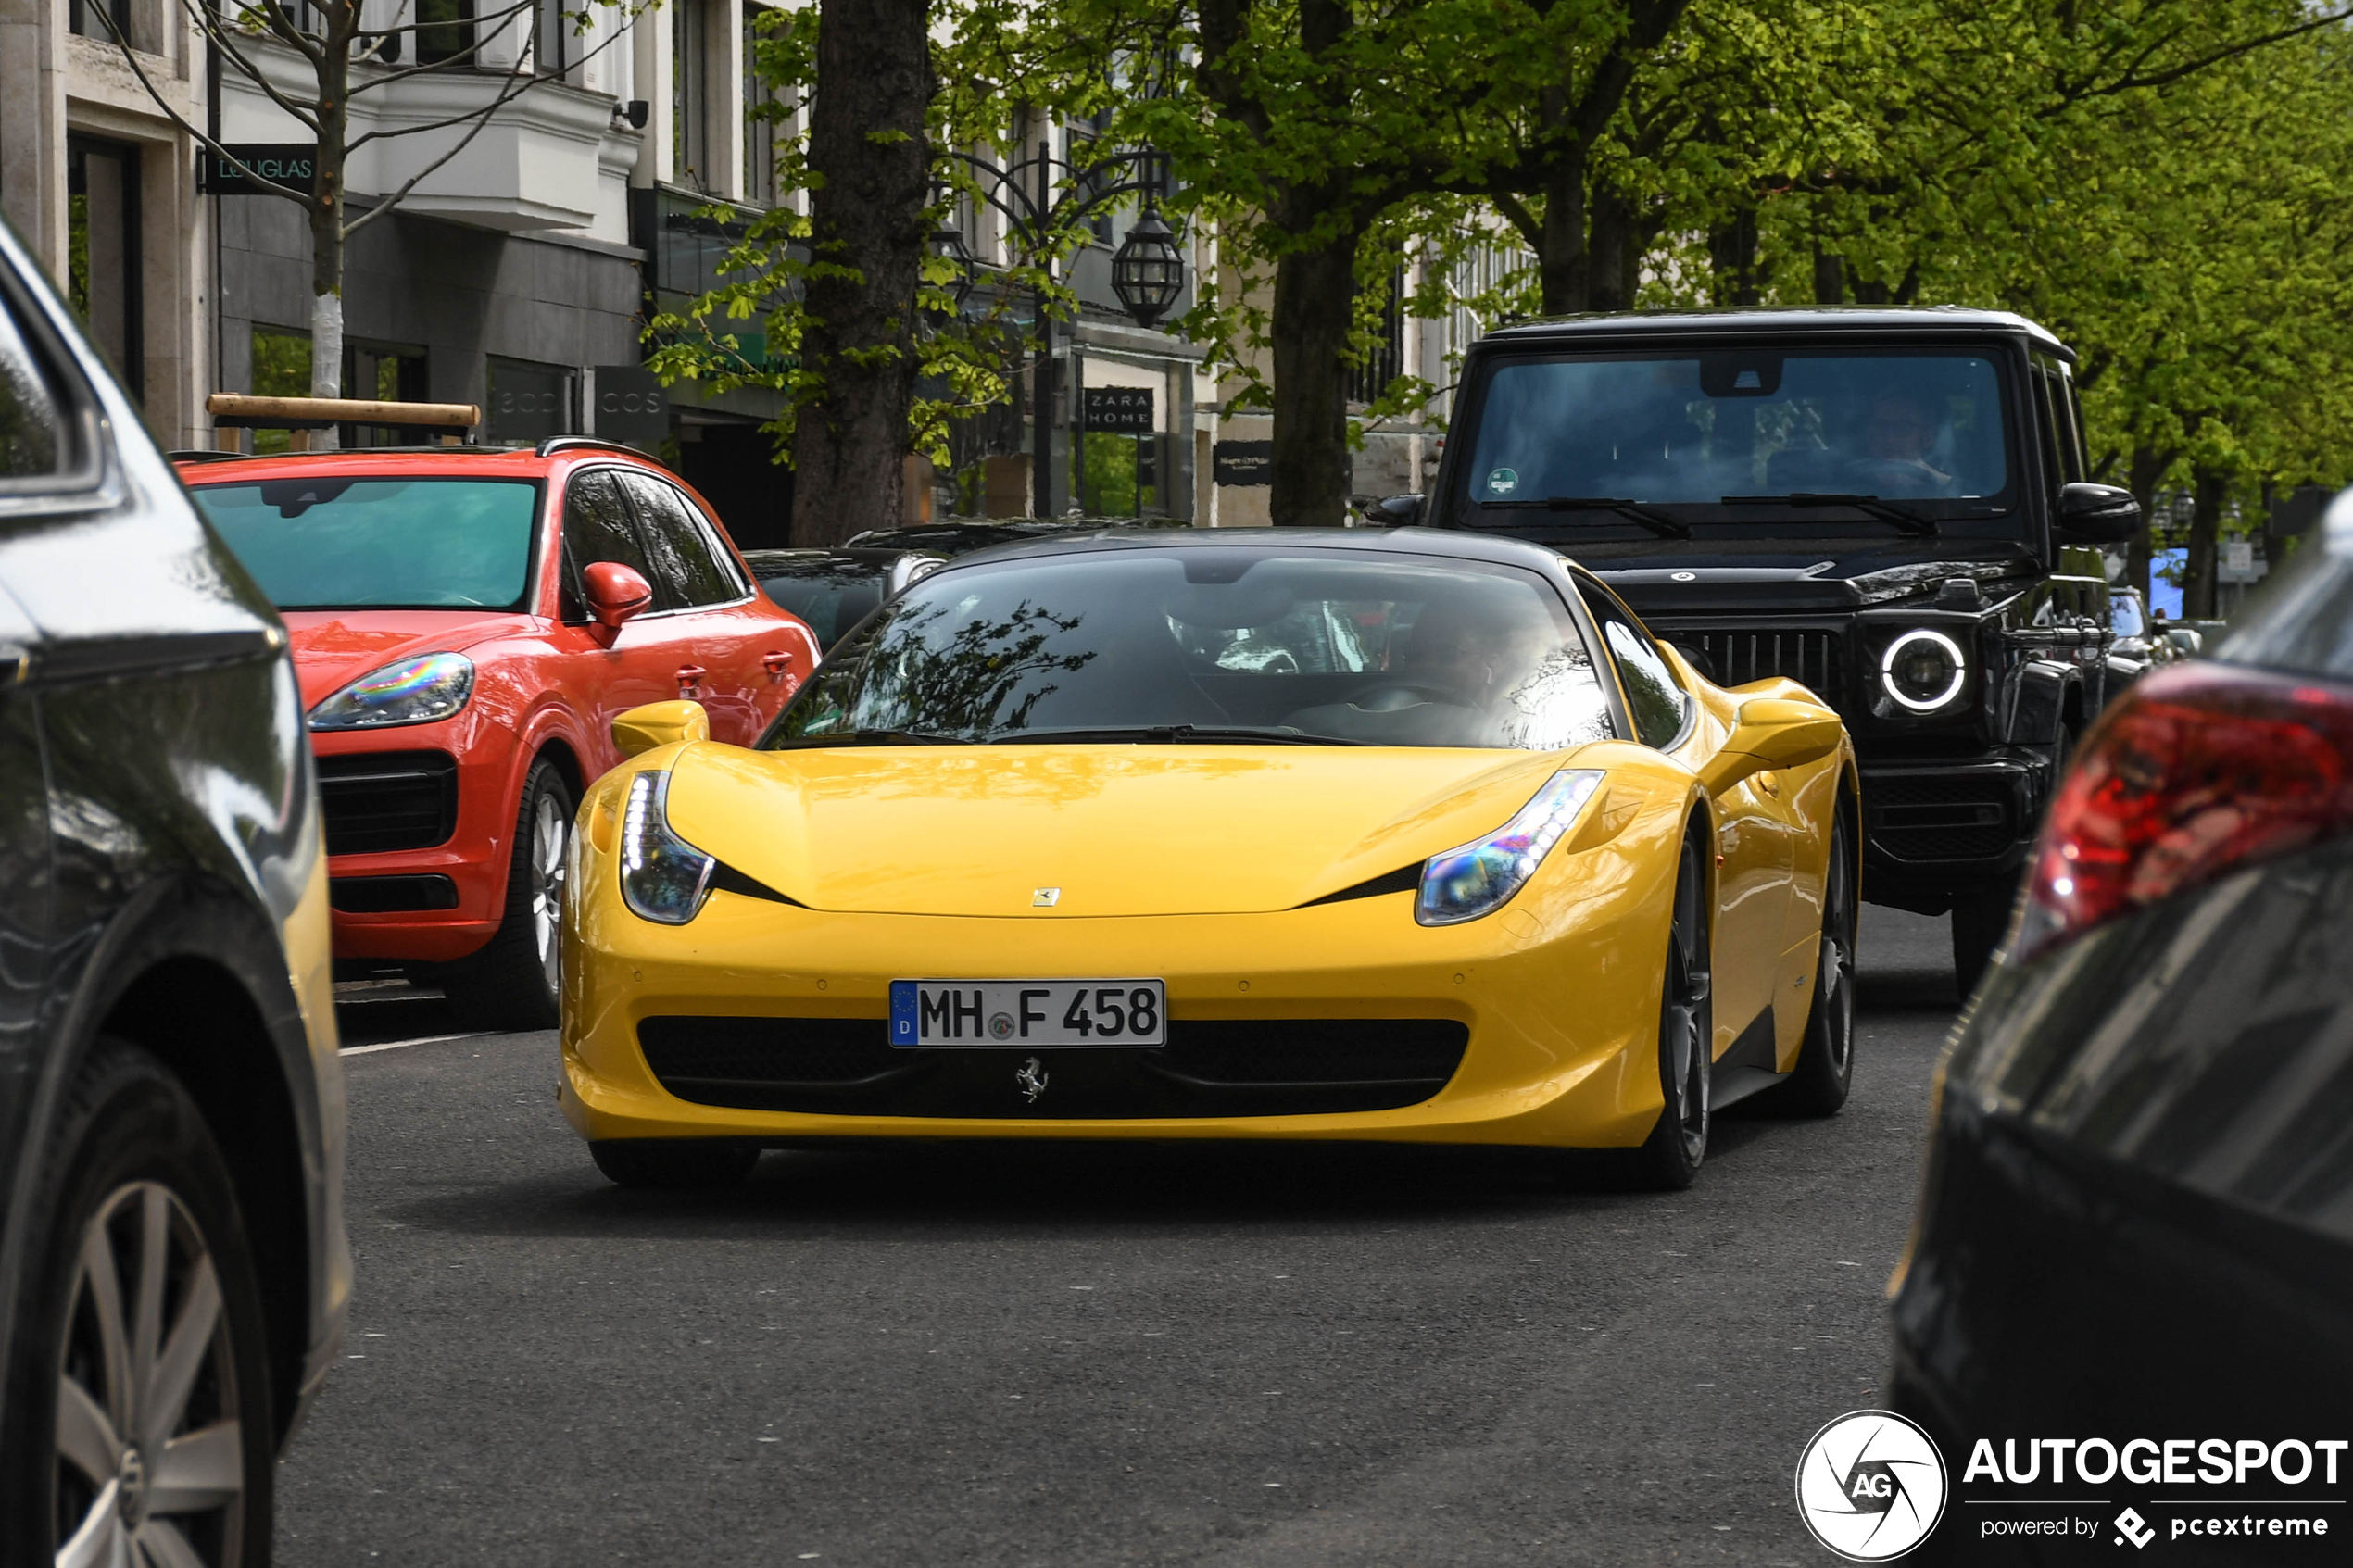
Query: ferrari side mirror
point(1773, 733)
point(658, 723)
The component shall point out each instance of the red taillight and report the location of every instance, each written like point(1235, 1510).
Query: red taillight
point(2196, 770)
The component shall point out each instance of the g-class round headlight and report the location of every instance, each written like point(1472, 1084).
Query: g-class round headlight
point(1924, 671)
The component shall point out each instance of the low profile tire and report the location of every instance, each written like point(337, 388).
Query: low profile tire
point(1672, 1155)
point(649, 1162)
point(138, 1425)
point(512, 983)
point(1817, 1085)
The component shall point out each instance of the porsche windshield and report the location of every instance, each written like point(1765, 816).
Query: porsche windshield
point(1222, 645)
point(333, 542)
point(1919, 428)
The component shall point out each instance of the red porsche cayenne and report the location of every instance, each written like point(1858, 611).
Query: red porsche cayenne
point(466, 623)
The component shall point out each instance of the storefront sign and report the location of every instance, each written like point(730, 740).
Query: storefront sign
point(1243, 462)
point(633, 407)
point(291, 164)
point(1123, 411)
point(529, 403)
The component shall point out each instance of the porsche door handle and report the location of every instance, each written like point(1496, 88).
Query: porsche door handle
point(690, 676)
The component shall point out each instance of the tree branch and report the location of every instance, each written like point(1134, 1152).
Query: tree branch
point(130, 59)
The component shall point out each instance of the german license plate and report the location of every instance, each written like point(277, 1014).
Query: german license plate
point(1024, 1014)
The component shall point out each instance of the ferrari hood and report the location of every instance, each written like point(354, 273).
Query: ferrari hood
point(333, 648)
point(1119, 829)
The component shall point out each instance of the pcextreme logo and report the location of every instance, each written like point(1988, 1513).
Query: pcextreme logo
point(1870, 1486)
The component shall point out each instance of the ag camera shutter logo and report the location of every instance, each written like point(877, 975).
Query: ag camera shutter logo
point(1870, 1486)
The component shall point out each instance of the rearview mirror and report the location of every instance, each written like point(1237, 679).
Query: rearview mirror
point(1772, 734)
point(2097, 514)
point(615, 592)
point(658, 723)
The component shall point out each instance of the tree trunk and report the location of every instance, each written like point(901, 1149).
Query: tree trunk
point(1565, 267)
point(326, 238)
point(1830, 277)
point(1612, 254)
point(2147, 467)
point(2205, 530)
point(867, 148)
point(1314, 296)
point(1731, 254)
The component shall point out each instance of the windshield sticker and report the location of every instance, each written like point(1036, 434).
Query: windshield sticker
point(1502, 482)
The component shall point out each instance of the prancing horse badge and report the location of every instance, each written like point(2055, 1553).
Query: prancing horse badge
point(1031, 1079)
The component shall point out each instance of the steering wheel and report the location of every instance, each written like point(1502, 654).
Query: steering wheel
point(1390, 698)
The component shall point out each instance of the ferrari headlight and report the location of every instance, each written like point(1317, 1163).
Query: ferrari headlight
point(412, 691)
point(1922, 670)
point(1480, 877)
point(663, 878)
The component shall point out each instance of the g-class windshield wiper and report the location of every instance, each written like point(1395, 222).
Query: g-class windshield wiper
point(1903, 517)
point(1178, 735)
point(870, 737)
point(1634, 511)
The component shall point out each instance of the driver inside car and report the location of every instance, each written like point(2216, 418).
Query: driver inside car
point(1898, 437)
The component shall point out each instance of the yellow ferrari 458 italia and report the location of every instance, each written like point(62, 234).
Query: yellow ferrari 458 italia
point(1403, 835)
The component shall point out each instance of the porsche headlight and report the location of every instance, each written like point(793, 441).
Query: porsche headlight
point(411, 691)
point(1480, 877)
point(1924, 671)
point(663, 878)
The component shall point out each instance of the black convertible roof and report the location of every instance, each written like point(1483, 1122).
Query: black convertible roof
point(1859, 321)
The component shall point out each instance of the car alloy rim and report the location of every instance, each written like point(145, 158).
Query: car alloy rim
point(547, 879)
point(150, 1463)
point(1685, 1022)
point(1837, 982)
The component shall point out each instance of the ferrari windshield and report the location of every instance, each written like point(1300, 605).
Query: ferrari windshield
point(1917, 427)
point(1239, 643)
point(333, 542)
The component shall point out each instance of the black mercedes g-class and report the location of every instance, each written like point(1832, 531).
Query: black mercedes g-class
point(1888, 506)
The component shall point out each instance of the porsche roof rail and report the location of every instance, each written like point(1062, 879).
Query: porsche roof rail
point(556, 443)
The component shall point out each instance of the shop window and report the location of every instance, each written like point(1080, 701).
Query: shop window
point(529, 403)
point(1385, 356)
point(389, 373)
point(690, 92)
point(102, 251)
point(281, 368)
point(765, 128)
point(444, 29)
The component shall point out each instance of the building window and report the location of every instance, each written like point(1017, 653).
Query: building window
point(389, 373)
point(1082, 145)
point(765, 126)
point(560, 42)
point(102, 251)
point(281, 368)
point(529, 403)
point(1385, 356)
point(446, 30)
point(689, 92)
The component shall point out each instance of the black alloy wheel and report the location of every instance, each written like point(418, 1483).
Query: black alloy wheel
point(514, 981)
point(1672, 1155)
point(139, 1426)
point(1817, 1085)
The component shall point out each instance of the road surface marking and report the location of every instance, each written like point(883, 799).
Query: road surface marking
point(421, 1040)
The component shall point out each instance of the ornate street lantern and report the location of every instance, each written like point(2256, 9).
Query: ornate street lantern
point(1148, 270)
point(948, 241)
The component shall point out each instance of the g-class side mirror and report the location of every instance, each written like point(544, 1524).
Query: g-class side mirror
point(2097, 514)
point(1393, 511)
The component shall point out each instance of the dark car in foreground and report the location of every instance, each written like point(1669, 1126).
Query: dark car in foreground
point(1891, 507)
point(834, 589)
point(173, 1271)
point(2137, 1214)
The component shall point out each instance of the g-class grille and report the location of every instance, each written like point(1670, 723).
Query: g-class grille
point(1933, 818)
point(381, 800)
point(1814, 658)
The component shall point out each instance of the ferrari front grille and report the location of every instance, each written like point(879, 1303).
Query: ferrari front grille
point(1225, 1067)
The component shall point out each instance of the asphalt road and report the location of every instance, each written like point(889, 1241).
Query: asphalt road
point(1092, 1356)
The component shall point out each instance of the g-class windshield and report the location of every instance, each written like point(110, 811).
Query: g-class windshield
point(1748, 434)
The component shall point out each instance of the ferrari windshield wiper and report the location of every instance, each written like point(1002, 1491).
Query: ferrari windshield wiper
point(1903, 517)
point(1181, 734)
point(871, 737)
point(1634, 511)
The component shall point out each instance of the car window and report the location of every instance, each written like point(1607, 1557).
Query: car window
point(32, 432)
point(831, 599)
point(327, 542)
point(2124, 616)
point(1658, 704)
point(685, 567)
point(597, 526)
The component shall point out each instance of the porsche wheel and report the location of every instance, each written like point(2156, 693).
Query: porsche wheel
point(654, 1162)
point(139, 1426)
point(1825, 1070)
point(512, 983)
point(1686, 1032)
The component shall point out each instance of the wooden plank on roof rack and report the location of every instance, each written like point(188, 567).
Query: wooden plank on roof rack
point(301, 412)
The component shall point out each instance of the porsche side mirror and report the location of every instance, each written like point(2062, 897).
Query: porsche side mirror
point(2097, 514)
point(615, 592)
point(1773, 733)
point(658, 723)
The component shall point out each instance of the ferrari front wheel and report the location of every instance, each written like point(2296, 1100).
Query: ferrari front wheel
point(1825, 1070)
point(1671, 1156)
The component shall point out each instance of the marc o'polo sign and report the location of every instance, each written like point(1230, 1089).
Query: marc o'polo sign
point(1120, 411)
point(292, 164)
point(1243, 462)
